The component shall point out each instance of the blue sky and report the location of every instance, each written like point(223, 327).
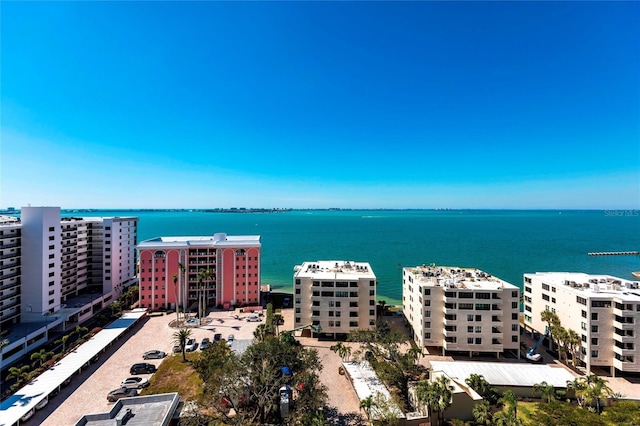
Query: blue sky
point(320, 104)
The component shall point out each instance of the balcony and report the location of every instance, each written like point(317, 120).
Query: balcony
point(496, 330)
point(496, 318)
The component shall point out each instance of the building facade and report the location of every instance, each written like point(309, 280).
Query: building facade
point(57, 271)
point(338, 296)
point(221, 270)
point(604, 310)
point(461, 309)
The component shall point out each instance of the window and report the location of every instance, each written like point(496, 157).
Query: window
point(427, 324)
point(470, 329)
point(353, 323)
point(581, 300)
point(545, 297)
point(594, 354)
point(527, 289)
point(478, 329)
point(470, 340)
point(594, 328)
point(594, 341)
point(427, 314)
point(469, 317)
point(594, 316)
point(514, 338)
point(427, 292)
point(583, 325)
point(478, 341)
point(372, 312)
point(514, 327)
point(478, 317)
point(427, 302)
point(584, 314)
point(427, 335)
point(514, 316)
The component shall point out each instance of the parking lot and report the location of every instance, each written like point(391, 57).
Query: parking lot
point(87, 393)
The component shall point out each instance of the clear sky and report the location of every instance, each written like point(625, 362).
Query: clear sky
point(320, 104)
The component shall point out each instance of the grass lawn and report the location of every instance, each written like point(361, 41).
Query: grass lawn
point(175, 376)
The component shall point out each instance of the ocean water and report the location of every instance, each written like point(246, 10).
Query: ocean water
point(506, 244)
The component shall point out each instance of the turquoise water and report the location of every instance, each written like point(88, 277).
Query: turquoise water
point(504, 243)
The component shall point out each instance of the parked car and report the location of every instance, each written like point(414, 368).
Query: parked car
point(254, 318)
point(217, 337)
point(190, 345)
point(142, 368)
point(154, 354)
point(40, 405)
point(115, 395)
point(231, 338)
point(205, 343)
point(176, 347)
point(135, 383)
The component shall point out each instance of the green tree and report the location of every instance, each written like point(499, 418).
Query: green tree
point(367, 405)
point(436, 395)
point(623, 413)
point(507, 418)
point(180, 337)
point(482, 413)
point(552, 320)
point(597, 390)
point(204, 277)
point(64, 339)
point(261, 332)
point(41, 356)
point(20, 373)
point(510, 401)
point(80, 330)
point(545, 390)
point(278, 320)
point(573, 340)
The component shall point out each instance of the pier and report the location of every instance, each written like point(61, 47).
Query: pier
point(615, 253)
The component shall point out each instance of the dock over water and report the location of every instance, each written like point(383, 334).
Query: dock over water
point(615, 253)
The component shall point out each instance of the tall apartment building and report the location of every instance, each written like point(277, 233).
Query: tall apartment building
point(10, 267)
point(233, 263)
point(338, 296)
point(604, 310)
point(461, 309)
point(56, 271)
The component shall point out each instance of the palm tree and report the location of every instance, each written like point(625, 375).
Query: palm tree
point(597, 388)
point(506, 418)
point(278, 320)
point(80, 330)
point(261, 332)
point(579, 388)
point(573, 340)
point(552, 320)
point(19, 373)
point(63, 340)
point(436, 395)
point(510, 401)
point(204, 276)
point(41, 356)
point(367, 404)
point(545, 390)
point(482, 413)
point(414, 353)
point(180, 337)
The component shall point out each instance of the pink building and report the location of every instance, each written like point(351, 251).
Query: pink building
point(223, 270)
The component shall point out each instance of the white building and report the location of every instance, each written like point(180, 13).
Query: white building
point(338, 296)
point(461, 309)
point(56, 272)
point(604, 310)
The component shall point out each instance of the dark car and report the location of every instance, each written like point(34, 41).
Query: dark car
point(205, 343)
point(217, 337)
point(142, 368)
point(115, 395)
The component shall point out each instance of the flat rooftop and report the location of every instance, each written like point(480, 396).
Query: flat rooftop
point(332, 269)
point(151, 410)
point(456, 277)
point(505, 373)
point(592, 286)
point(216, 240)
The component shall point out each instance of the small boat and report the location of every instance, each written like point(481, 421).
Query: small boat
point(636, 274)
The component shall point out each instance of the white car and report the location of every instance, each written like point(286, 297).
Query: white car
point(254, 318)
point(135, 383)
point(190, 346)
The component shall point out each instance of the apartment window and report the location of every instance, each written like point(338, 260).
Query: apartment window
point(331, 303)
point(51, 292)
point(330, 313)
point(427, 292)
point(514, 327)
point(594, 354)
point(372, 302)
point(594, 316)
point(470, 340)
point(584, 338)
point(337, 304)
point(338, 323)
point(372, 312)
point(514, 316)
point(583, 325)
point(427, 335)
point(469, 317)
point(315, 303)
point(470, 329)
point(372, 283)
point(553, 300)
point(478, 329)
point(51, 301)
point(478, 341)
point(594, 328)
point(427, 324)
point(51, 229)
point(514, 338)
point(527, 289)
point(315, 313)
point(297, 291)
point(581, 300)
point(427, 302)
point(297, 319)
point(594, 341)
point(478, 317)
point(353, 323)
point(372, 292)
point(51, 265)
point(331, 323)
point(427, 314)
point(514, 293)
point(514, 305)
point(545, 297)
point(584, 314)
point(553, 289)
point(298, 300)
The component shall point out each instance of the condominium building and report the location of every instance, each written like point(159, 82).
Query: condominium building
point(57, 271)
point(338, 296)
point(461, 309)
point(604, 310)
point(223, 270)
